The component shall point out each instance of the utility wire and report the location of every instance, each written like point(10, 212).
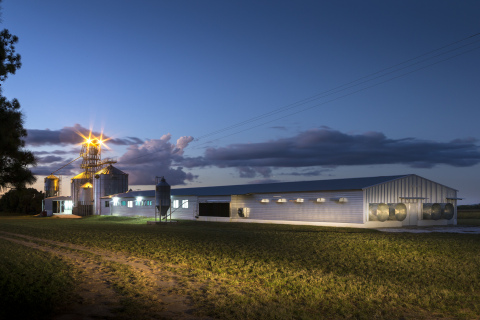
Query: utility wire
point(334, 99)
point(360, 81)
point(348, 85)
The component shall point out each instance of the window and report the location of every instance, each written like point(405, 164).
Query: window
point(148, 203)
point(124, 203)
point(107, 204)
point(130, 203)
point(68, 204)
point(185, 204)
point(175, 204)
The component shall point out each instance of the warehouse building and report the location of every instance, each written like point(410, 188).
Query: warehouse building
point(386, 201)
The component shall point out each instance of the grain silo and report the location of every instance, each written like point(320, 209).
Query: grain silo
point(108, 181)
point(76, 183)
point(52, 186)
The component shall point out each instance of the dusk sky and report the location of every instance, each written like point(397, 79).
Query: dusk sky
point(235, 92)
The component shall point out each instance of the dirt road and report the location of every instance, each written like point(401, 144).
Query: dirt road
point(103, 294)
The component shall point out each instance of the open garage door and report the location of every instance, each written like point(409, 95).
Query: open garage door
point(214, 209)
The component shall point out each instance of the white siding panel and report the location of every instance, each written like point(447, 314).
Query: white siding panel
point(185, 213)
point(329, 211)
point(411, 186)
point(135, 211)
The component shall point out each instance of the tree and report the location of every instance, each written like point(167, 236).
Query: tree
point(14, 159)
point(24, 200)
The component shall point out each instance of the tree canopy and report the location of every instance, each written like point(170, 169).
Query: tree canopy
point(25, 201)
point(15, 161)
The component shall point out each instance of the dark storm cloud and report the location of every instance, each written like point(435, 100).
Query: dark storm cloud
point(71, 135)
point(329, 148)
point(156, 157)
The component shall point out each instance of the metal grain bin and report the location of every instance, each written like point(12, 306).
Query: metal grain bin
point(108, 181)
point(432, 211)
point(52, 186)
point(162, 197)
point(76, 184)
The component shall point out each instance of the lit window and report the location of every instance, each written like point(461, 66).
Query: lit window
point(68, 205)
point(175, 204)
point(185, 204)
point(149, 203)
point(124, 203)
point(130, 204)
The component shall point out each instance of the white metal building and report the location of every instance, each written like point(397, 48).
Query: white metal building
point(58, 205)
point(388, 201)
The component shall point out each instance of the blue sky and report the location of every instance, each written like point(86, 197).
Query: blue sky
point(204, 92)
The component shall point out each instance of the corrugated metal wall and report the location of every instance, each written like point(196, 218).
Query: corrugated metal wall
point(125, 211)
point(410, 186)
point(329, 211)
point(413, 186)
point(185, 213)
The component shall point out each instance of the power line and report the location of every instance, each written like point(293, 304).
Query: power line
point(352, 84)
point(346, 86)
point(334, 99)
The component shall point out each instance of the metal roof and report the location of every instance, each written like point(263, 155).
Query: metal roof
point(81, 175)
point(298, 186)
point(110, 170)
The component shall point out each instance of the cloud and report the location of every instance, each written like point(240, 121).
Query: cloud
point(70, 135)
point(56, 165)
point(156, 157)
point(307, 173)
point(328, 148)
point(143, 160)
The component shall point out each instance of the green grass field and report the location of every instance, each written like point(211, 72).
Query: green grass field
point(253, 271)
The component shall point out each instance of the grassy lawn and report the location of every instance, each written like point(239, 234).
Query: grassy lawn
point(252, 271)
point(33, 284)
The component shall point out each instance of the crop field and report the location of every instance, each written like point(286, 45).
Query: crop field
point(113, 267)
point(469, 217)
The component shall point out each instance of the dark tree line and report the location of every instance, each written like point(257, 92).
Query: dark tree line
point(23, 200)
point(15, 161)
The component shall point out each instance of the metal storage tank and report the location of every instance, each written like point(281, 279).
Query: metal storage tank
point(76, 183)
point(85, 195)
point(52, 186)
point(162, 197)
point(108, 181)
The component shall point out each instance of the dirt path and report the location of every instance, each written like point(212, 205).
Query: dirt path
point(99, 296)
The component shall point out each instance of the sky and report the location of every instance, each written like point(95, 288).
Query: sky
point(212, 93)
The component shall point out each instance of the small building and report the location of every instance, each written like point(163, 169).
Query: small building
point(386, 201)
point(58, 205)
